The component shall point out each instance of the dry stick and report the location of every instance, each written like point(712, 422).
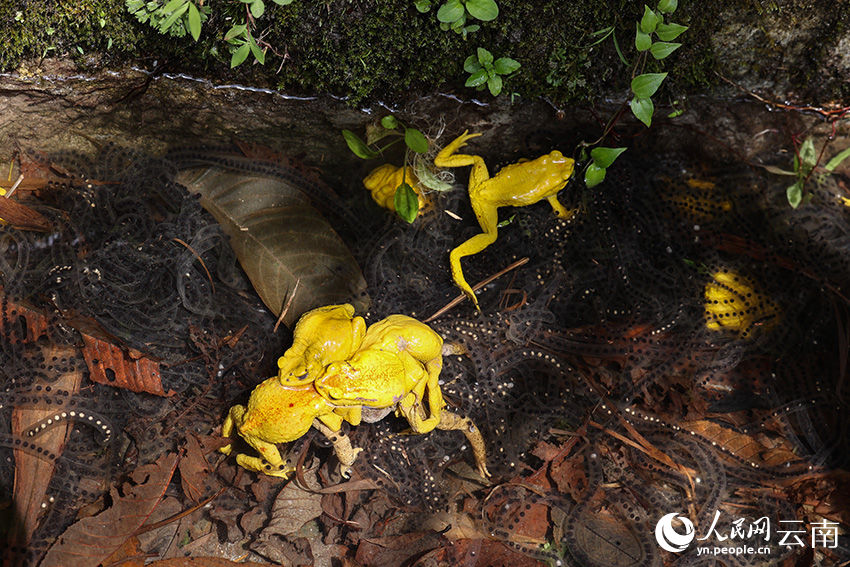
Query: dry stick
point(150, 527)
point(839, 112)
point(286, 307)
point(478, 286)
point(15, 186)
point(204, 266)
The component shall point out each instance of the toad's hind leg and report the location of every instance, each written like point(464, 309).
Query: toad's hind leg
point(488, 218)
point(271, 463)
point(451, 421)
point(413, 410)
point(342, 446)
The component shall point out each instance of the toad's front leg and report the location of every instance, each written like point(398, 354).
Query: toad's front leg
point(271, 463)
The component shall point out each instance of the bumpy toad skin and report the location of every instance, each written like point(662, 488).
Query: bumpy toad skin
point(516, 185)
point(280, 414)
point(321, 336)
point(383, 181)
point(398, 365)
point(353, 376)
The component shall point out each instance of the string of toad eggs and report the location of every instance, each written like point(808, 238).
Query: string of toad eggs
point(638, 417)
point(60, 398)
point(45, 395)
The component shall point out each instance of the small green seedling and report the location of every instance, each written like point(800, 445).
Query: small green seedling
point(175, 18)
point(806, 162)
point(653, 37)
point(405, 199)
point(454, 14)
point(645, 85)
point(179, 17)
point(487, 72)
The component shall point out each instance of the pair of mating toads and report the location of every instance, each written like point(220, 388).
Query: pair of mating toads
point(339, 370)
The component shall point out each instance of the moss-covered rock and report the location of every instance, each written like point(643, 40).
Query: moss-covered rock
point(368, 50)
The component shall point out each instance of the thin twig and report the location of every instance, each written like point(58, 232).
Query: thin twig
point(478, 286)
point(831, 114)
point(15, 186)
point(204, 266)
point(286, 307)
point(145, 529)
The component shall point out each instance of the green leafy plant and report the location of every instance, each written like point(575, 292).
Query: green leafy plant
point(405, 199)
point(179, 17)
point(654, 35)
point(454, 14)
point(487, 72)
point(806, 162)
point(645, 85)
point(602, 160)
point(242, 41)
point(175, 18)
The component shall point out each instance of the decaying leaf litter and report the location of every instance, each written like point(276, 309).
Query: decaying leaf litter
point(604, 395)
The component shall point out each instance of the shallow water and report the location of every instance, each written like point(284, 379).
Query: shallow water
point(608, 333)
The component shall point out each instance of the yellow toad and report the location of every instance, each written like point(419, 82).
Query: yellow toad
point(394, 367)
point(383, 181)
point(517, 185)
point(321, 336)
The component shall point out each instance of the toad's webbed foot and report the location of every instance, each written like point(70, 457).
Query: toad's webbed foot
point(284, 469)
point(453, 422)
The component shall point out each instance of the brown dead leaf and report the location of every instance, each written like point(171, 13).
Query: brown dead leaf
point(604, 538)
point(203, 562)
point(91, 540)
point(227, 509)
point(37, 164)
point(293, 508)
point(522, 508)
point(128, 555)
point(36, 322)
point(107, 361)
point(742, 445)
point(160, 529)
point(112, 366)
point(22, 217)
point(569, 475)
point(392, 551)
point(212, 443)
point(546, 451)
point(476, 552)
point(195, 472)
point(33, 472)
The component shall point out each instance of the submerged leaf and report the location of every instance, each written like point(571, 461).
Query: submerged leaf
point(91, 540)
point(33, 473)
point(836, 161)
point(280, 239)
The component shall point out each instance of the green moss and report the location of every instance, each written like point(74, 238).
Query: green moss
point(385, 50)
